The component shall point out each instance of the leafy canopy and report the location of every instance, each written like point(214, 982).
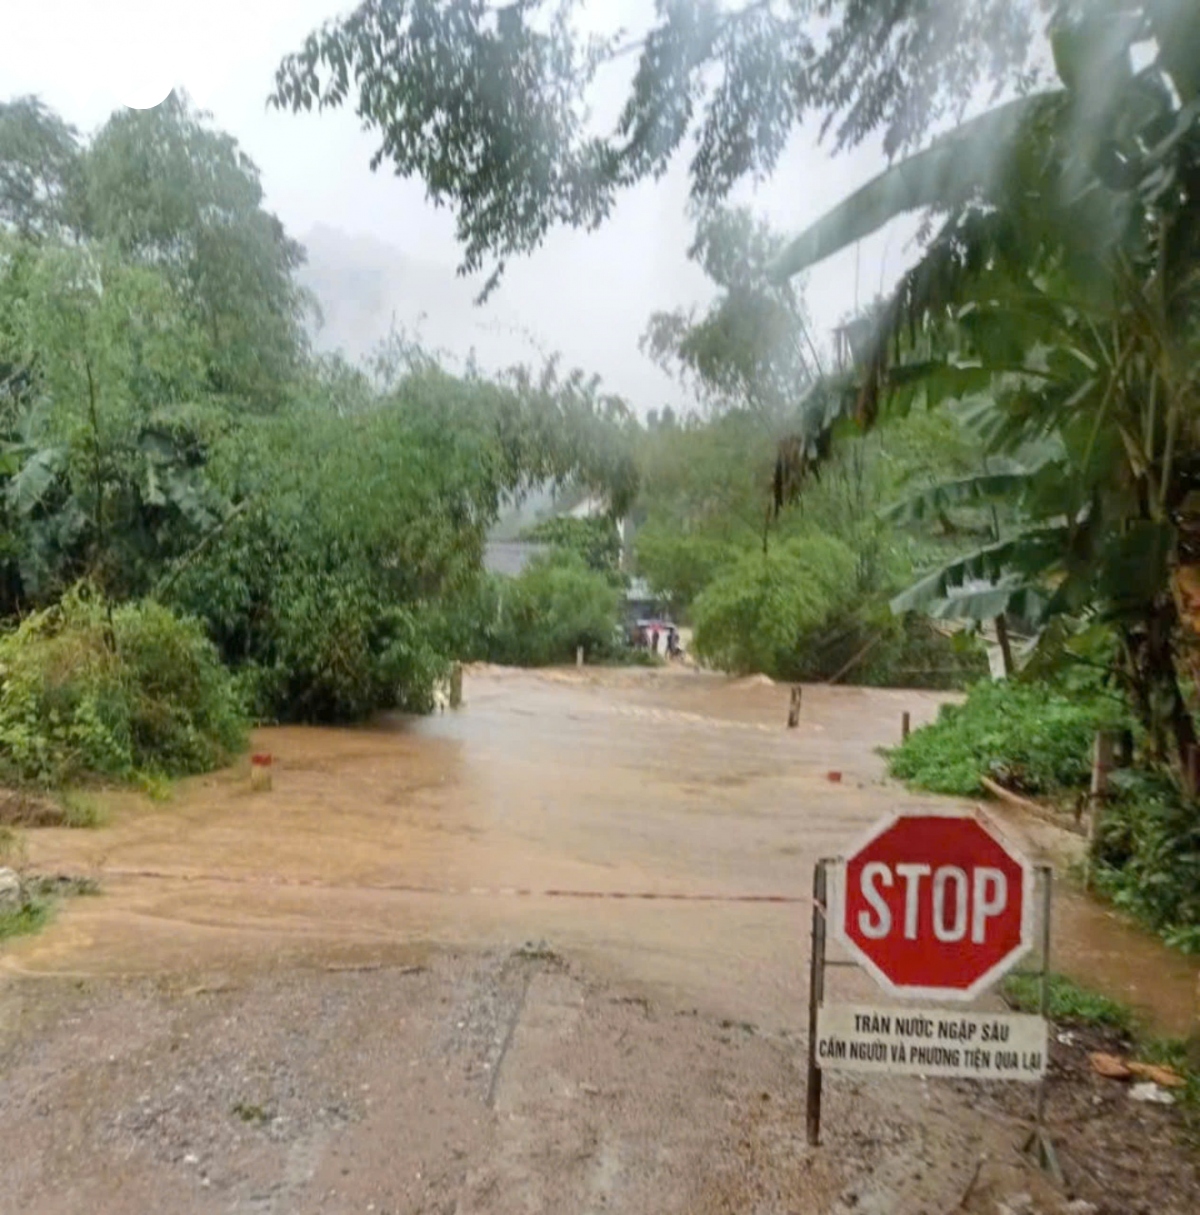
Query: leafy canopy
point(41, 170)
point(556, 604)
point(489, 105)
point(754, 614)
point(751, 348)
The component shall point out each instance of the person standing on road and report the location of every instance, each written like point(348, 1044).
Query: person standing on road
point(654, 639)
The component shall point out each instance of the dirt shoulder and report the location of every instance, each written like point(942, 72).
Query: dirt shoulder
point(497, 1083)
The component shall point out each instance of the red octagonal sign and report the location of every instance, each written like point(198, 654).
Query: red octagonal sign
point(935, 905)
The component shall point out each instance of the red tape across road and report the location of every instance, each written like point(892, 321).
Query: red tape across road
point(405, 888)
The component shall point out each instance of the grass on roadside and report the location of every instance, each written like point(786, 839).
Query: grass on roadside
point(80, 809)
point(40, 897)
point(1073, 1005)
point(29, 917)
point(1069, 1004)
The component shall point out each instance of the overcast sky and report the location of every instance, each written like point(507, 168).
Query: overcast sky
point(587, 296)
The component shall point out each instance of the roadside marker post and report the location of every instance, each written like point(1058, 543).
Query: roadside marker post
point(936, 906)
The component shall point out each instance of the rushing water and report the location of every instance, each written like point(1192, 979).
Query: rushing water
point(507, 820)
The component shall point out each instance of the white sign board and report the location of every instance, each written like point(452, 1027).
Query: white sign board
point(916, 1042)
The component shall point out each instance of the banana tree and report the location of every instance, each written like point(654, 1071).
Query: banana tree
point(103, 424)
point(1060, 295)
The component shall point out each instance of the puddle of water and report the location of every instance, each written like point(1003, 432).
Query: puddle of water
point(671, 782)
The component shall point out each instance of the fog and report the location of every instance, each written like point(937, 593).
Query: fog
point(379, 253)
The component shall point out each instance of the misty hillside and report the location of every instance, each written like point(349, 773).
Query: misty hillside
point(364, 285)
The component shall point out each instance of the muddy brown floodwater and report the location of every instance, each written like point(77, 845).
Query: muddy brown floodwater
point(452, 829)
point(656, 829)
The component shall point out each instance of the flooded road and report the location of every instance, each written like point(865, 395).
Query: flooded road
point(550, 807)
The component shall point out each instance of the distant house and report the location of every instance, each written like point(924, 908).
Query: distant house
point(510, 557)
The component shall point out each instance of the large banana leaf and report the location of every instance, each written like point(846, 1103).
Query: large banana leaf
point(936, 500)
point(1011, 566)
point(30, 485)
point(1020, 601)
point(945, 175)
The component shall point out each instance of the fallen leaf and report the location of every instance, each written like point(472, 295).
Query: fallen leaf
point(1109, 1066)
point(1160, 1074)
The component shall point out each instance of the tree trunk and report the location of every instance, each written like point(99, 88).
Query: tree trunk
point(1154, 683)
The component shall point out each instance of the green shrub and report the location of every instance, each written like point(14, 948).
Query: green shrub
point(554, 606)
point(755, 615)
point(1033, 737)
point(1147, 852)
point(90, 690)
point(325, 594)
point(468, 623)
point(341, 651)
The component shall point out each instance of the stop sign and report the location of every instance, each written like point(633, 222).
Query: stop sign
point(934, 905)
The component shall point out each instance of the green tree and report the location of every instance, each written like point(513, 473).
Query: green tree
point(751, 348)
point(340, 581)
point(554, 606)
point(103, 432)
point(594, 539)
point(754, 615)
point(41, 177)
point(678, 565)
point(488, 105)
point(171, 192)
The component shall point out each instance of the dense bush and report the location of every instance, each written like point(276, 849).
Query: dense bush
point(1034, 737)
point(679, 566)
point(754, 615)
point(123, 692)
point(1148, 856)
point(555, 605)
point(326, 591)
